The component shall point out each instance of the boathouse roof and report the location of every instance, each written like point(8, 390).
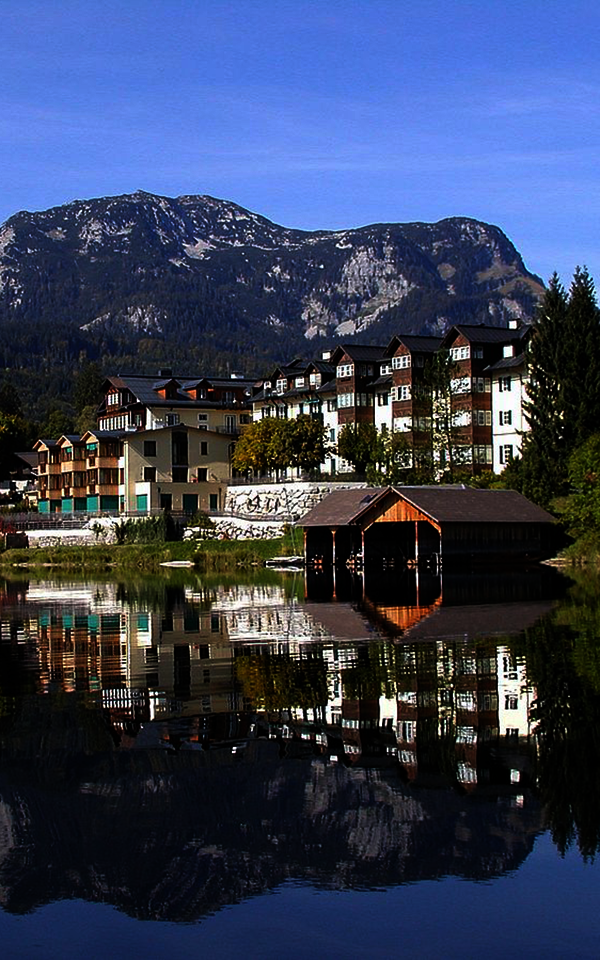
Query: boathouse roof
point(442, 504)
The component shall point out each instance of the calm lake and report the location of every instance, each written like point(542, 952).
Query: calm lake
point(271, 767)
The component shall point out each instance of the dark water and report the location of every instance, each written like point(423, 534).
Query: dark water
point(269, 768)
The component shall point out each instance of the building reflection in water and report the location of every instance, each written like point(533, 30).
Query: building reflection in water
point(409, 683)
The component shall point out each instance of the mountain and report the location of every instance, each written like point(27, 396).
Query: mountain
point(138, 279)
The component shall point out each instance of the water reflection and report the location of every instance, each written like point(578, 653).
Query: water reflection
point(172, 746)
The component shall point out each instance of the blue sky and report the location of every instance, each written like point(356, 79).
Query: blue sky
point(315, 113)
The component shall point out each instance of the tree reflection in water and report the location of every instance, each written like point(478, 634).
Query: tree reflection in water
point(153, 758)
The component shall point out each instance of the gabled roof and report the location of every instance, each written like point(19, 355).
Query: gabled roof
point(385, 380)
point(451, 504)
point(442, 504)
point(481, 334)
point(342, 507)
point(415, 344)
point(507, 363)
point(105, 434)
point(357, 352)
point(45, 443)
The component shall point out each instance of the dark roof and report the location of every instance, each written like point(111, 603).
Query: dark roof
point(508, 363)
point(31, 459)
point(330, 386)
point(469, 505)
point(482, 620)
point(108, 434)
point(442, 504)
point(385, 380)
point(341, 507)
point(418, 344)
point(144, 388)
point(361, 351)
point(323, 366)
point(481, 334)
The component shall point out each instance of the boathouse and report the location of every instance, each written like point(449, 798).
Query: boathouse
point(409, 525)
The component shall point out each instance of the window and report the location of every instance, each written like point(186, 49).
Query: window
point(365, 370)
point(203, 448)
point(402, 362)
point(383, 399)
point(422, 424)
point(460, 385)
point(505, 417)
point(315, 379)
point(112, 400)
point(244, 418)
point(466, 735)
point(266, 412)
point(402, 424)
point(202, 418)
point(281, 385)
point(331, 405)
point(299, 383)
point(504, 384)
point(202, 474)
point(332, 434)
point(505, 453)
point(488, 702)
point(385, 369)
point(478, 353)
point(180, 474)
point(150, 474)
point(511, 702)
point(401, 393)
point(364, 400)
point(345, 370)
point(172, 419)
point(460, 353)
point(346, 400)
point(149, 448)
point(483, 418)
point(482, 385)
point(482, 454)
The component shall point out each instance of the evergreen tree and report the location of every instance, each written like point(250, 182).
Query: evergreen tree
point(581, 385)
point(563, 409)
point(88, 387)
point(542, 472)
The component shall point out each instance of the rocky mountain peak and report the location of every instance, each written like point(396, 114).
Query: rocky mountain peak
point(195, 271)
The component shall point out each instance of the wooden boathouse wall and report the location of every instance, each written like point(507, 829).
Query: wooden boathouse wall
point(389, 526)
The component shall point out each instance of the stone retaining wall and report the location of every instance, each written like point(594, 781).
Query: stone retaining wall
point(285, 502)
point(258, 511)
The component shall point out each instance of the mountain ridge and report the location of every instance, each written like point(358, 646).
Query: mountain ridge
point(140, 279)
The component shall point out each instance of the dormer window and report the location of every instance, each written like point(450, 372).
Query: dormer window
point(299, 383)
point(315, 379)
point(345, 370)
point(281, 385)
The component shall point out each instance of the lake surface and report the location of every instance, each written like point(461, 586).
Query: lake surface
point(269, 767)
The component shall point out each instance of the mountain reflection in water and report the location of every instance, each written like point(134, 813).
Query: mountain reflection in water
point(174, 746)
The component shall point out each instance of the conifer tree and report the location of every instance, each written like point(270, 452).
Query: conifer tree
point(543, 470)
point(563, 409)
point(581, 383)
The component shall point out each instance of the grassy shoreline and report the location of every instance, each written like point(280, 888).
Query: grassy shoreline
point(206, 556)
